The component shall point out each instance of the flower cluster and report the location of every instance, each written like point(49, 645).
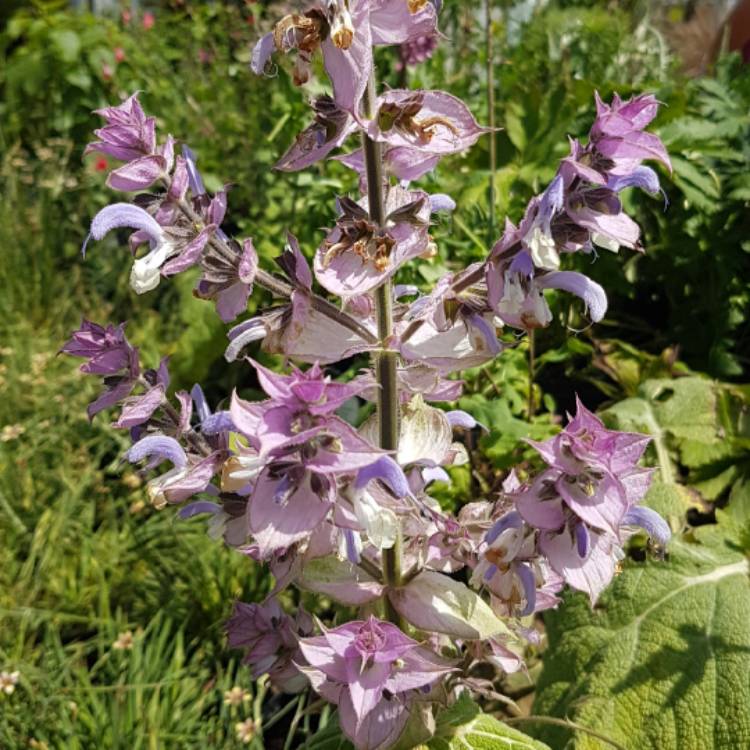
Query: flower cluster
point(346, 511)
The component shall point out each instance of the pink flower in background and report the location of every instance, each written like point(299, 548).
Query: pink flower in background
point(148, 20)
point(107, 72)
point(126, 17)
point(119, 54)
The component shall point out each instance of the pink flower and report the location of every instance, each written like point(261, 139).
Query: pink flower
point(148, 20)
point(119, 54)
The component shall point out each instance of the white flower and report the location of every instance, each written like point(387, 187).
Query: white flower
point(245, 730)
point(236, 696)
point(124, 641)
point(543, 249)
point(146, 274)
point(8, 681)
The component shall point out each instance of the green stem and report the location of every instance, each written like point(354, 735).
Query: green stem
point(385, 360)
point(567, 724)
point(532, 373)
point(491, 115)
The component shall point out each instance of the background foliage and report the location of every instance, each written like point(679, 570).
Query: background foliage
point(83, 559)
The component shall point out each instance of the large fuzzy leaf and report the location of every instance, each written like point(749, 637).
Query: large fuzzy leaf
point(663, 663)
point(464, 727)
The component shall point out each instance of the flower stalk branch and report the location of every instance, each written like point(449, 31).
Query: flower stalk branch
point(385, 360)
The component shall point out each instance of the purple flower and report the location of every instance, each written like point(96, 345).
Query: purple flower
point(146, 271)
point(189, 475)
point(516, 292)
point(128, 134)
point(358, 255)
point(271, 640)
point(433, 122)
point(228, 280)
point(109, 354)
point(370, 669)
point(330, 128)
point(586, 503)
point(345, 31)
point(617, 133)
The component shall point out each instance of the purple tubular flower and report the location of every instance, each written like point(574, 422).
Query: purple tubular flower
point(617, 133)
point(157, 448)
point(145, 273)
point(650, 521)
point(262, 52)
point(459, 418)
point(442, 202)
point(120, 215)
point(366, 667)
point(528, 581)
point(510, 520)
point(387, 471)
point(592, 294)
point(270, 638)
point(195, 181)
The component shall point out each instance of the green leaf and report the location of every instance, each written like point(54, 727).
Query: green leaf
point(464, 727)
point(683, 409)
point(735, 518)
point(663, 661)
point(66, 43)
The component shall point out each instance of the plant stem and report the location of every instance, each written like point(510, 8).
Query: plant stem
point(491, 115)
point(532, 368)
point(385, 360)
point(564, 723)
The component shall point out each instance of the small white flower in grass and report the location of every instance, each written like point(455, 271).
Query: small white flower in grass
point(8, 681)
point(236, 696)
point(245, 730)
point(11, 432)
point(124, 641)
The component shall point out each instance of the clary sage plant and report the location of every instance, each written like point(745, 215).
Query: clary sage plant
point(347, 512)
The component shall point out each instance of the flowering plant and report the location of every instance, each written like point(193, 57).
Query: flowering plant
point(347, 512)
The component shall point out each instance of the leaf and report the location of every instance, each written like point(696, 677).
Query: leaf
point(663, 662)
point(67, 44)
point(340, 580)
point(735, 518)
point(436, 602)
point(684, 408)
point(464, 727)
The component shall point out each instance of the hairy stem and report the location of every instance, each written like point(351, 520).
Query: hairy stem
point(385, 360)
point(491, 114)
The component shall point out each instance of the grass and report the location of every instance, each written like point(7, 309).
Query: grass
point(83, 559)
